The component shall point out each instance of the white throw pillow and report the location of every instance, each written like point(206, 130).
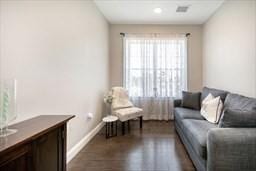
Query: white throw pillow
point(211, 108)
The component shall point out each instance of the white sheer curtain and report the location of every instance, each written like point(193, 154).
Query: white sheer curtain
point(155, 71)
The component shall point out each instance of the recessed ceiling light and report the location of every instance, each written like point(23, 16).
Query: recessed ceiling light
point(157, 10)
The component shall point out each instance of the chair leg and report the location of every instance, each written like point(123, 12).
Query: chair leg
point(141, 122)
point(123, 128)
point(116, 128)
point(128, 122)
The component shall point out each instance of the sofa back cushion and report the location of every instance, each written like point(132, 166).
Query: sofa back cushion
point(215, 92)
point(238, 119)
point(239, 111)
point(239, 102)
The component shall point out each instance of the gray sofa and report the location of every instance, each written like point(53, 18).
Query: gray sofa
point(217, 149)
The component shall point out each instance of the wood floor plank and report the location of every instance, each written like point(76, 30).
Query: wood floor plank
point(154, 148)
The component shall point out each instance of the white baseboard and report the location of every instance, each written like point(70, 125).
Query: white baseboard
point(75, 150)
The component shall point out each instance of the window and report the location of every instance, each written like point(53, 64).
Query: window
point(155, 65)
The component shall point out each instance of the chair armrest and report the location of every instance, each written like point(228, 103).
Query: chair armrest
point(231, 149)
point(177, 102)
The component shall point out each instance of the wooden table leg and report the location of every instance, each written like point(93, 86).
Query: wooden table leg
point(106, 126)
point(112, 129)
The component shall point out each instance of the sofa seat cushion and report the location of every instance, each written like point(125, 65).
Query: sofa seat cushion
point(196, 132)
point(185, 113)
point(128, 113)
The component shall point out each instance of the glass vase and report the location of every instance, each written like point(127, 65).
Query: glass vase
point(7, 106)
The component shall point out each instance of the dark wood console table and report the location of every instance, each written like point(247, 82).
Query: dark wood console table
point(39, 145)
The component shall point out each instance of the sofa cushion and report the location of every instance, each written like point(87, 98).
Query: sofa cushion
point(191, 100)
point(212, 108)
point(196, 131)
point(177, 102)
point(238, 119)
point(185, 113)
point(214, 92)
point(239, 102)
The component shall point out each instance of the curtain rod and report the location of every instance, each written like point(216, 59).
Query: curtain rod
point(187, 34)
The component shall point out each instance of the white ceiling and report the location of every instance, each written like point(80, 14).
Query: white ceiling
point(141, 11)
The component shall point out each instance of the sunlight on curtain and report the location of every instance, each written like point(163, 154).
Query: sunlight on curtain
point(155, 72)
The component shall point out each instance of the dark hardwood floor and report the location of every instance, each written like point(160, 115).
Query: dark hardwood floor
point(156, 147)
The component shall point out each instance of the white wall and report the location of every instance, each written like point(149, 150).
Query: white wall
point(229, 39)
point(194, 49)
point(58, 52)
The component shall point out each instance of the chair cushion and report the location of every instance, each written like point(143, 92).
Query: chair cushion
point(196, 132)
point(185, 113)
point(128, 113)
point(214, 92)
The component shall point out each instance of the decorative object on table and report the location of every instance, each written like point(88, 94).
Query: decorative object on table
point(7, 106)
point(111, 129)
point(108, 98)
point(123, 108)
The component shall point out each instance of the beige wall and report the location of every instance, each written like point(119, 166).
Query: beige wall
point(194, 50)
point(58, 52)
point(229, 58)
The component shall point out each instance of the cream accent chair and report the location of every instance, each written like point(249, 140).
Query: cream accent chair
point(123, 108)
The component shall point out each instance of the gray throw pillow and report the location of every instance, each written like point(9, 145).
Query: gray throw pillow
point(238, 119)
point(191, 100)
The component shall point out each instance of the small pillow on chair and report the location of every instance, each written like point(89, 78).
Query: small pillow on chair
point(120, 98)
point(238, 119)
point(191, 100)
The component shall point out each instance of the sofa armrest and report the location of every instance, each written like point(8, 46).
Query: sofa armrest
point(177, 102)
point(231, 149)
